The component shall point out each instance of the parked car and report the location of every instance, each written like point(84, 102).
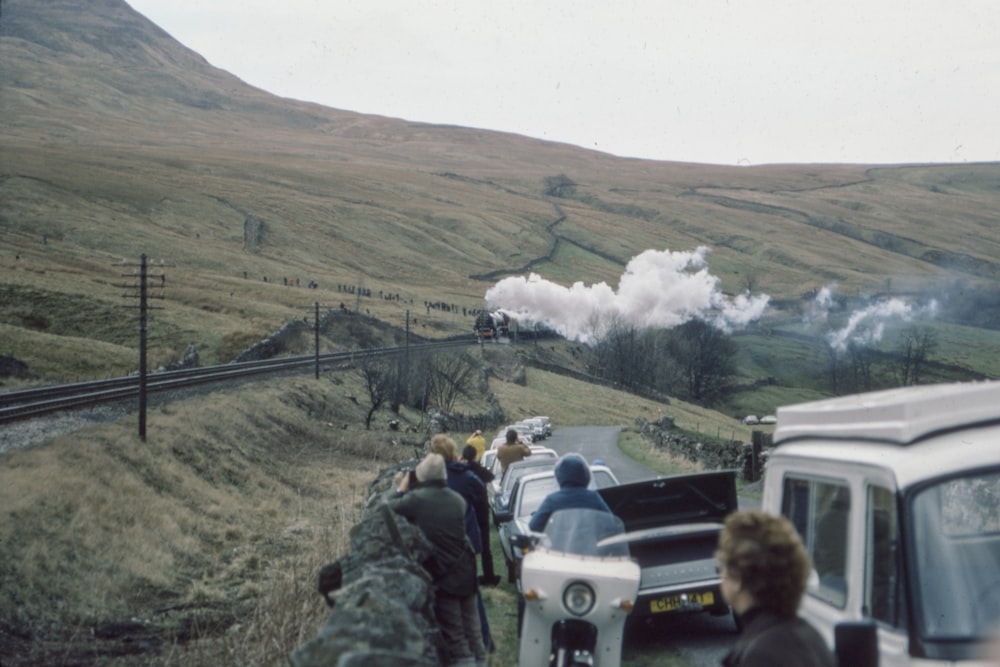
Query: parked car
point(672, 528)
point(489, 457)
point(896, 495)
point(523, 431)
point(536, 450)
point(547, 424)
point(537, 428)
point(502, 485)
point(526, 495)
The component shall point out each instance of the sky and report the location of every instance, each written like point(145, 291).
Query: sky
point(706, 81)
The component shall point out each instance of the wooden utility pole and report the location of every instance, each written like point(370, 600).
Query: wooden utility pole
point(139, 289)
point(316, 335)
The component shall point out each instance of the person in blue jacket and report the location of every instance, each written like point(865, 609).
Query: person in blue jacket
point(573, 475)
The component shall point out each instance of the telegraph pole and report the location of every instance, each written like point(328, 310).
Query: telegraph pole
point(140, 289)
point(316, 333)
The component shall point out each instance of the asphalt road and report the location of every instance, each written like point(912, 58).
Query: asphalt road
point(701, 640)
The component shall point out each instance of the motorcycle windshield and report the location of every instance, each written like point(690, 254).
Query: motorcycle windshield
point(585, 532)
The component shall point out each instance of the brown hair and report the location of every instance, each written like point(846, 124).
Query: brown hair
point(445, 446)
point(765, 553)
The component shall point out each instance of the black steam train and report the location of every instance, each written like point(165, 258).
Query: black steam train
point(492, 326)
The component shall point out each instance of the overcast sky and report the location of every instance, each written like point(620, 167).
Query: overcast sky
point(710, 81)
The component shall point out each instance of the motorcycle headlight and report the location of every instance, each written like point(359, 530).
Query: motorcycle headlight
point(578, 598)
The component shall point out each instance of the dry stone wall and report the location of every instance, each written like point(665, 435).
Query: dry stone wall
point(381, 598)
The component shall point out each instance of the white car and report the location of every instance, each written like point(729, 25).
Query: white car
point(500, 487)
point(526, 495)
point(523, 433)
point(546, 423)
point(896, 495)
point(537, 428)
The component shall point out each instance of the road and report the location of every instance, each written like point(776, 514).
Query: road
point(701, 640)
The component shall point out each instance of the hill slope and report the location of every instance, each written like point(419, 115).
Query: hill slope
point(115, 141)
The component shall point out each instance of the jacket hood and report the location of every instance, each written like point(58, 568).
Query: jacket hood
point(572, 470)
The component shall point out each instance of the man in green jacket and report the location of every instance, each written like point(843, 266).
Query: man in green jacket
point(440, 513)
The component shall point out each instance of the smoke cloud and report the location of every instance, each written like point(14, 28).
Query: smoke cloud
point(659, 289)
point(866, 326)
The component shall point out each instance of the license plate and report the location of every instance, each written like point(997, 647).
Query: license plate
point(683, 601)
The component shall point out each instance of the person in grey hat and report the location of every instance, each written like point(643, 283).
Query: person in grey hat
point(440, 513)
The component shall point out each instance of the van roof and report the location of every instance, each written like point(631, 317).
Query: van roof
point(897, 416)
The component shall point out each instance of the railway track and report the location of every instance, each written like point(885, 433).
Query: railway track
point(41, 401)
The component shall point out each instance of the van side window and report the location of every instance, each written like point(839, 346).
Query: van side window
point(882, 586)
point(820, 509)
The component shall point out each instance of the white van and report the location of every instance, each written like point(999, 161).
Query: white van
point(896, 495)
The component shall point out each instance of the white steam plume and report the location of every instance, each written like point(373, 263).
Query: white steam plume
point(866, 326)
point(659, 289)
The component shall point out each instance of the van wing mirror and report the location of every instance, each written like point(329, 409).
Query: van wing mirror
point(856, 644)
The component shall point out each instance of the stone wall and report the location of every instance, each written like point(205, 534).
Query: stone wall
point(733, 454)
point(381, 598)
point(461, 426)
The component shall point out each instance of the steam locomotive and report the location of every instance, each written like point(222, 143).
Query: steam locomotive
point(492, 326)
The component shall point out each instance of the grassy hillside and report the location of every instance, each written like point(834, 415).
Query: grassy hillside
point(116, 141)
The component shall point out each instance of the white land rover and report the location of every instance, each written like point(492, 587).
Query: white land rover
point(896, 495)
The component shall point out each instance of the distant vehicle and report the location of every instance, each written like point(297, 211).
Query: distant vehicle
point(896, 495)
point(502, 485)
point(489, 456)
point(536, 450)
point(751, 420)
point(491, 326)
point(525, 497)
point(768, 419)
point(524, 431)
point(546, 423)
point(537, 428)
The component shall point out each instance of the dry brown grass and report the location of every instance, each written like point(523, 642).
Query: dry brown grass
point(226, 512)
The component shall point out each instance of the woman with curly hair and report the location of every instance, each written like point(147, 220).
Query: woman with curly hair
point(764, 569)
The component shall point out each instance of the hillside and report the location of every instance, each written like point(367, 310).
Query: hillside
point(117, 141)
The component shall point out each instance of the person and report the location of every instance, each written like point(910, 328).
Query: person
point(764, 569)
point(439, 512)
point(512, 450)
point(489, 577)
point(478, 442)
point(573, 475)
point(464, 482)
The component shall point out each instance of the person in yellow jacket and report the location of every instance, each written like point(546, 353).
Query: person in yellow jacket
point(479, 442)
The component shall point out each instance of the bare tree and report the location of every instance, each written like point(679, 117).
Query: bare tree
point(706, 356)
point(916, 344)
point(862, 357)
point(451, 376)
point(623, 355)
point(380, 381)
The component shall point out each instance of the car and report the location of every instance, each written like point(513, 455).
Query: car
point(536, 450)
point(524, 432)
point(502, 485)
point(526, 495)
point(751, 420)
point(546, 423)
point(672, 527)
point(896, 495)
point(489, 457)
point(537, 428)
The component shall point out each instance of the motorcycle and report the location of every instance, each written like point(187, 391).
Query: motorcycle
point(578, 584)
